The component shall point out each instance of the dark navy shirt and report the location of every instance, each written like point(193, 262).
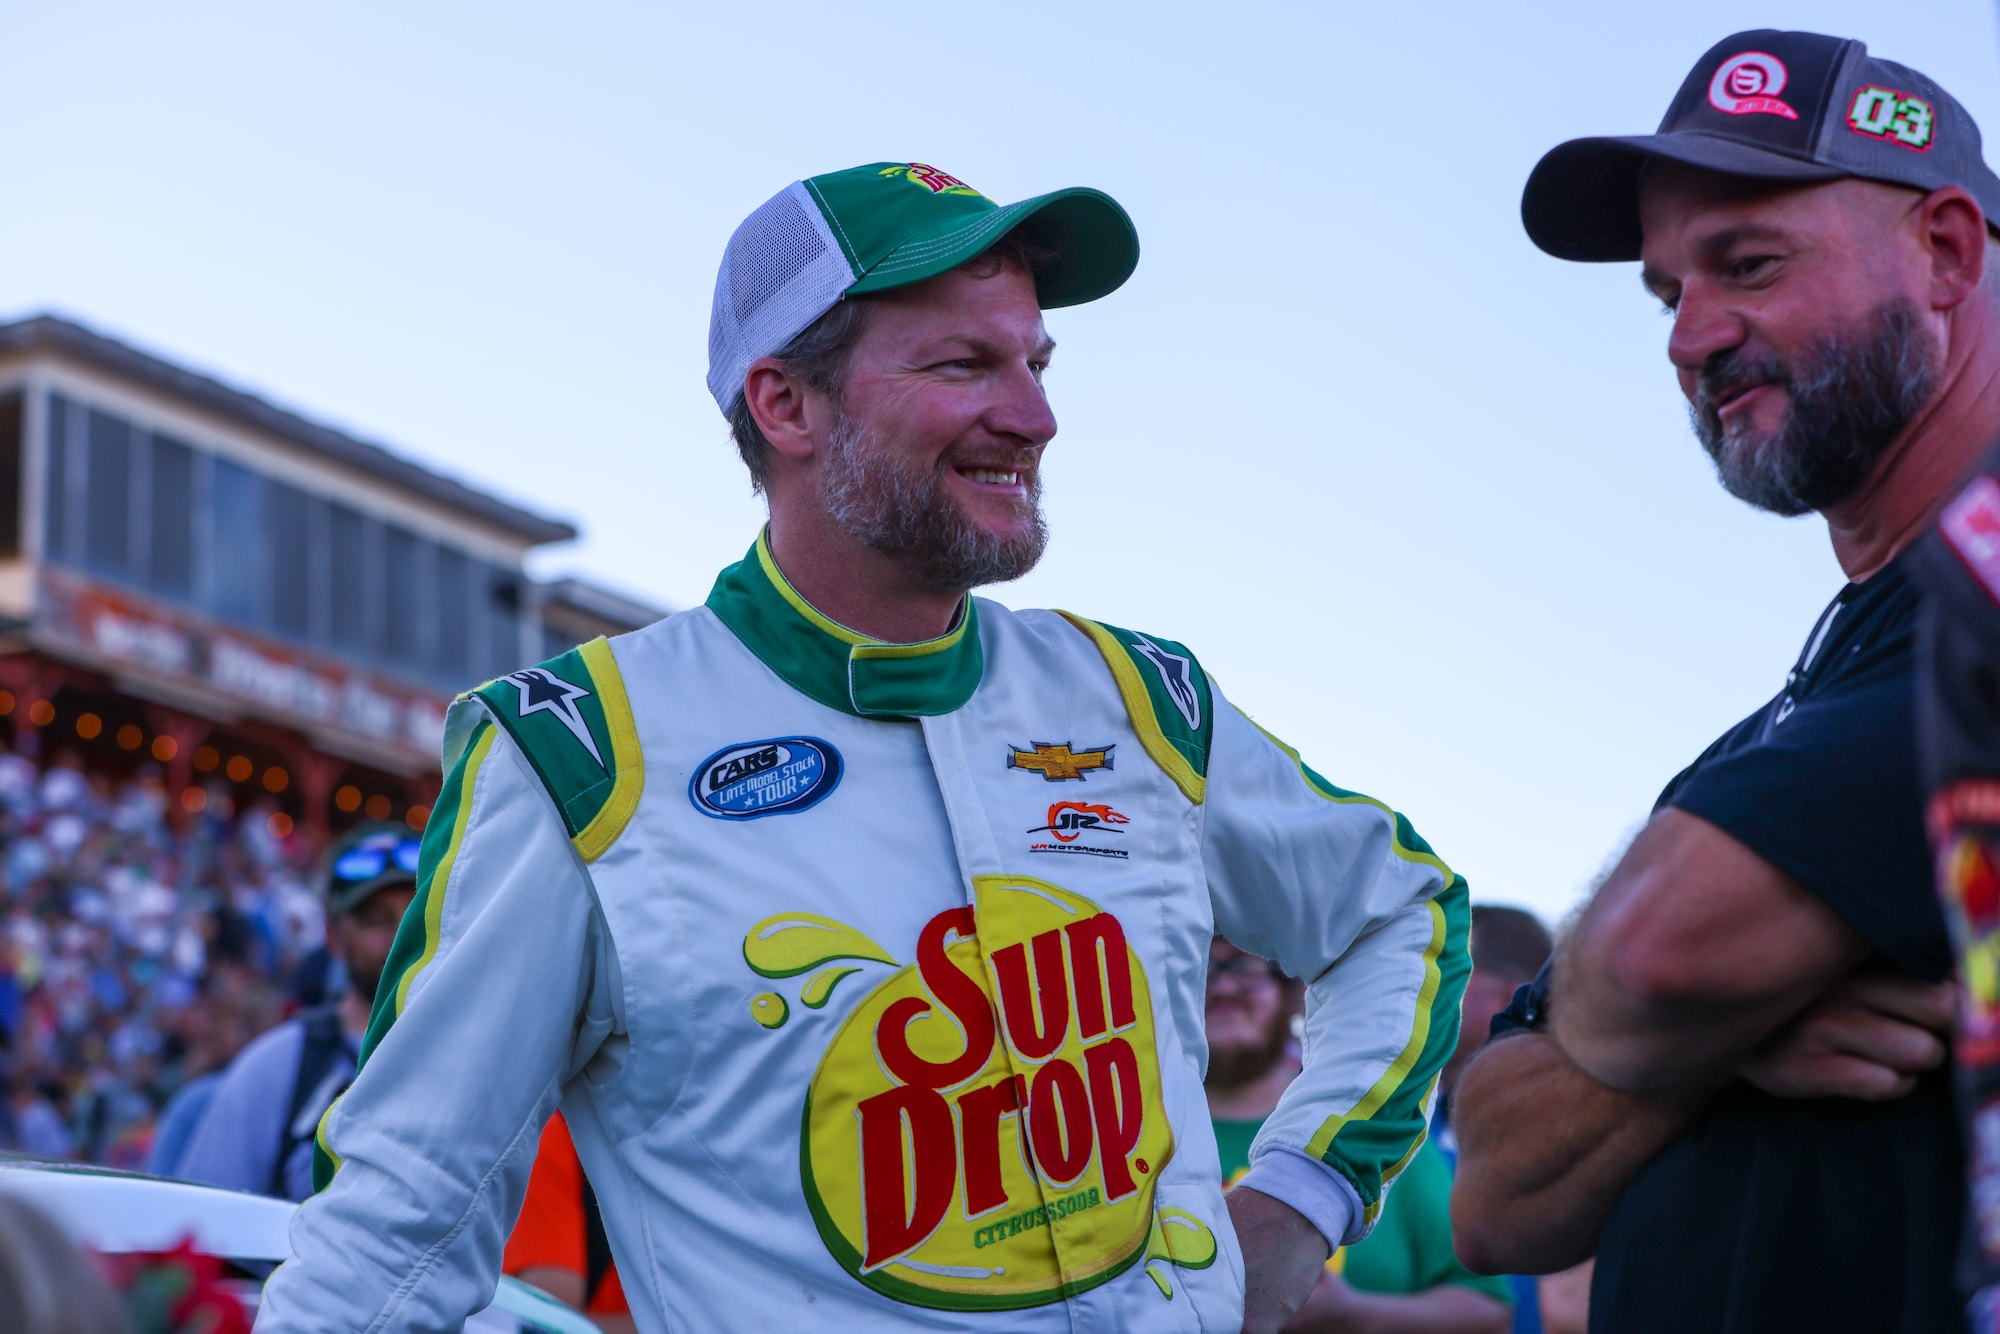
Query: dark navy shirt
point(1779, 1214)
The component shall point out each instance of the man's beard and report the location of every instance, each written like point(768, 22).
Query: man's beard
point(903, 511)
point(1849, 396)
point(366, 981)
point(1233, 1067)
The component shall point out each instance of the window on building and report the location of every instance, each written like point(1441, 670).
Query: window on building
point(170, 563)
point(55, 499)
point(236, 575)
point(108, 507)
point(454, 613)
point(286, 540)
point(503, 621)
point(401, 600)
point(351, 580)
point(10, 474)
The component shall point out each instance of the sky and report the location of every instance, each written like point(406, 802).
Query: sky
point(1422, 499)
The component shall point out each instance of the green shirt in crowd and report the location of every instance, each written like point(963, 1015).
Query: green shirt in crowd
point(1410, 1249)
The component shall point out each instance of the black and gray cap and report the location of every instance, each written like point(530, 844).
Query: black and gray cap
point(1794, 107)
point(366, 860)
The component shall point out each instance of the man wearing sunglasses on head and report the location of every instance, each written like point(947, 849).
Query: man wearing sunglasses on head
point(256, 1133)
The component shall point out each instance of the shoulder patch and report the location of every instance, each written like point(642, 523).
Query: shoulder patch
point(1167, 695)
point(571, 717)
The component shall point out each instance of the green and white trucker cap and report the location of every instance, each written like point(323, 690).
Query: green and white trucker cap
point(886, 225)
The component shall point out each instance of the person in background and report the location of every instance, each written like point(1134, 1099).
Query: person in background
point(1403, 1278)
point(256, 1132)
point(1509, 946)
point(558, 1243)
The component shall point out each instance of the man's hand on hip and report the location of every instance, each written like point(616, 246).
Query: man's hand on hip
point(1868, 1036)
point(1282, 1257)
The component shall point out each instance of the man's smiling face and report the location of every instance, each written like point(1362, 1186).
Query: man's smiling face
point(935, 454)
point(1798, 335)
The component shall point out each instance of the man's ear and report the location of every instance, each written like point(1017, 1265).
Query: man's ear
point(1955, 230)
point(783, 405)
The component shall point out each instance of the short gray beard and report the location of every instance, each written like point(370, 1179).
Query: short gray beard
point(903, 512)
point(1849, 397)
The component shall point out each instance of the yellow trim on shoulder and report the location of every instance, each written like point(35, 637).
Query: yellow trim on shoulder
point(629, 780)
point(1399, 1069)
point(1139, 706)
point(799, 604)
point(434, 900)
point(320, 1134)
point(1407, 853)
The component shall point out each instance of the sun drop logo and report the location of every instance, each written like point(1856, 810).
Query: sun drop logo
point(1749, 84)
point(933, 180)
point(985, 1128)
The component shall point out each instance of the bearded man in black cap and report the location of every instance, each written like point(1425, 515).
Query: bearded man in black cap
point(1731, 1085)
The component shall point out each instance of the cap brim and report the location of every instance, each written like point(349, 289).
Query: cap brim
point(1582, 199)
point(1094, 243)
point(349, 897)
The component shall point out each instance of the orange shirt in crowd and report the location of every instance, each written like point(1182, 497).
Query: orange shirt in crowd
point(551, 1230)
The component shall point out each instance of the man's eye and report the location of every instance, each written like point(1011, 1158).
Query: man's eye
point(1749, 266)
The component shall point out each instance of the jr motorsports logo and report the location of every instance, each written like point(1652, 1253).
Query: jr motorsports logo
point(1884, 113)
point(986, 1126)
point(1086, 828)
point(757, 778)
point(1748, 84)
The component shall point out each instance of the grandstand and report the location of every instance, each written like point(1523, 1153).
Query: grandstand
point(226, 632)
point(191, 574)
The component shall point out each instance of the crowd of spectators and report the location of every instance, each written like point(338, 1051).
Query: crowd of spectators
point(135, 957)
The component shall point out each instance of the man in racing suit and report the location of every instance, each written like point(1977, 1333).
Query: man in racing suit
point(858, 926)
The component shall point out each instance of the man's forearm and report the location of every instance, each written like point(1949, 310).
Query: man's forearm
point(1694, 951)
point(1544, 1151)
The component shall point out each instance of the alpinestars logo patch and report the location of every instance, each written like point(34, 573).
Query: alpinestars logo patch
point(544, 692)
point(1177, 675)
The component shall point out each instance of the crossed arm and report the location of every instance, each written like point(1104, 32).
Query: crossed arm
point(1698, 963)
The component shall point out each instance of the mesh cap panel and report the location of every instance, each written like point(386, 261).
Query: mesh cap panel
point(782, 270)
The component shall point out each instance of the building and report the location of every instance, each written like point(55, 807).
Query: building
point(264, 606)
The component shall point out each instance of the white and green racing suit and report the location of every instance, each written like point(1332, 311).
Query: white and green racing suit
point(870, 978)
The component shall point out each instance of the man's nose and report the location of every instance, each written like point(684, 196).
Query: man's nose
point(1702, 328)
point(1021, 409)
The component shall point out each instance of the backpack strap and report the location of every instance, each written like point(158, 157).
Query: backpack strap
point(1166, 695)
point(596, 1246)
point(314, 1087)
point(571, 718)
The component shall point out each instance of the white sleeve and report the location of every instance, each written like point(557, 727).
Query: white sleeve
point(498, 989)
point(1339, 890)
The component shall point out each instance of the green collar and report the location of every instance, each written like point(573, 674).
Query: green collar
point(836, 666)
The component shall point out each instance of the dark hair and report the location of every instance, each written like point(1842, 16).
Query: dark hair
point(820, 353)
point(1510, 943)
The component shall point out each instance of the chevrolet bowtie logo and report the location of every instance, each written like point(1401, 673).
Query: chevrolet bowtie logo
point(1056, 763)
